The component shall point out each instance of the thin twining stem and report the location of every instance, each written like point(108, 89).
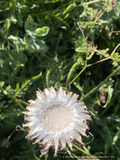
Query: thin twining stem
point(94, 89)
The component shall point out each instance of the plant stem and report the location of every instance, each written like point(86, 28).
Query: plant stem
point(16, 101)
point(23, 102)
point(89, 65)
point(91, 156)
point(115, 49)
point(81, 30)
point(97, 18)
point(94, 89)
point(86, 3)
point(77, 75)
point(86, 66)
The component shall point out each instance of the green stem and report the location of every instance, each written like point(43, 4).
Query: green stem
point(85, 152)
point(23, 102)
point(115, 49)
point(86, 3)
point(16, 101)
point(76, 156)
point(81, 30)
point(94, 89)
point(89, 65)
point(77, 75)
point(32, 151)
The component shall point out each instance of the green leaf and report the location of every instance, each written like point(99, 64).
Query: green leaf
point(17, 86)
point(81, 49)
point(49, 1)
point(5, 92)
point(78, 86)
point(30, 25)
point(1, 84)
point(31, 34)
point(42, 31)
point(26, 84)
point(8, 88)
point(69, 8)
point(108, 140)
point(110, 91)
point(7, 25)
point(38, 45)
point(91, 55)
point(20, 21)
point(83, 151)
point(117, 135)
point(16, 39)
point(72, 70)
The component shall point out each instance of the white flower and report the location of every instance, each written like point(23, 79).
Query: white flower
point(56, 118)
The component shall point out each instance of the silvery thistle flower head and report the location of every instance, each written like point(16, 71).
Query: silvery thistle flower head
point(55, 119)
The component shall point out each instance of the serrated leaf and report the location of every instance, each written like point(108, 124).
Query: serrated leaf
point(110, 91)
point(42, 31)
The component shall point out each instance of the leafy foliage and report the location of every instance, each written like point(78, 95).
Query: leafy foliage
point(74, 44)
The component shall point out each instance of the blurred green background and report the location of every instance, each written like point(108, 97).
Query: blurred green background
point(68, 43)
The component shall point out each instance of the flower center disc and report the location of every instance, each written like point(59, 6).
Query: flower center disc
point(57, 117)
